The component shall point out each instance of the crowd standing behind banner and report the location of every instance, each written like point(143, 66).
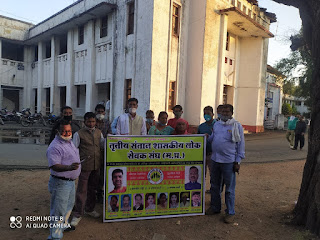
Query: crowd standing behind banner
point(89, 141)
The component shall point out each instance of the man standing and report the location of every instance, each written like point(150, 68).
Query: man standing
point(131, 123)
point(227, 140)
point(300, 130)
point(66, 114)
point(104, 125)
point(206, 127)
point(89, 140)
point(193, 179)
point(64, 164)
point(117, 176)
point(177, 111)
point(292, 121)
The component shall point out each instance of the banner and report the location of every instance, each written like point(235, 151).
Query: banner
point(154, 176)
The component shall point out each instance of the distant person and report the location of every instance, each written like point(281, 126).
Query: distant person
point(149, 119)
point(113, 205)
point(174, 200)
point(89, 140)
point(185, 199)
point(193, 179)
point(228, 149)
point(138, 205)
point(177, 111)
point(299, 132)
point(196, 199)
point(161, 127)
point(219, 110)
point(117, 177)
point(150, 201)
point(181, 127)
point(64, 163)
point(66, 114)
point(162, 201)
point(126, 203)
point(292, 121)
point(206, 128)
point(131, 123)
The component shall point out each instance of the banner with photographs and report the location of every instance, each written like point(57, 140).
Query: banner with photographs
point(154, 176)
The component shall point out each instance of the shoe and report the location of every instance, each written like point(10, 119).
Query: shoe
point(210, 211)
point(228, 218)
point(75, 221)
point(93, 214)
point(293, 149)
point(70, 229)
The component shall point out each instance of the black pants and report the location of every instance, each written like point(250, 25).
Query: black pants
point(297, 138)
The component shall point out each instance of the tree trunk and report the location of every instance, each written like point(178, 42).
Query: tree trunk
point(307, 211)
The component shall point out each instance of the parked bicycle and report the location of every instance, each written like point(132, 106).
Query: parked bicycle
point(32, 119)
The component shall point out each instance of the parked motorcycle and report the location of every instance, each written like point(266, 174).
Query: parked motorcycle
point(32, 119)
point(52, 119)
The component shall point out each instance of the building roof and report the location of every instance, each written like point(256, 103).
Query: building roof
point(274, 71)
point(242, 25)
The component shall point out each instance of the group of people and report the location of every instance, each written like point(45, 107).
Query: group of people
point(77, 153)
point(297, 128)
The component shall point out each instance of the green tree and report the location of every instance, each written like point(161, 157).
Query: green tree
point(286, 109)
point(307, 210)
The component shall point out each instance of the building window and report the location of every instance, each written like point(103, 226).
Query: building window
point(63, 44)
point(254, 16)
point(36, 53)
point(12, 51)
point(78, 96)
point(172, 93)
point(175, 20)
point(233, 2)
point(48, 49)
point(130, 25)
point(104, 27)
point(128, 87)
point(239, 5)
point(80, 35)
point(230, 61)
point(228, 42)
point(249, 12)
point(225, 60)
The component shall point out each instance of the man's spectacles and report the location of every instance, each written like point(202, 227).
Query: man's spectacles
point(66, 132)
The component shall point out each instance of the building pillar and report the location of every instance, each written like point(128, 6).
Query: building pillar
point(91, 87)
point(71, 93)
point(40, 91)
point(221, 56)
point(54, 90)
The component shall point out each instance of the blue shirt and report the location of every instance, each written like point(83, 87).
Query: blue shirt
point(224, 150)
point(191, 185)
point(206, 128)
point(114, 126)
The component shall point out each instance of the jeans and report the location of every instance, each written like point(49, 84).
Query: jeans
point(61, 204)
point(223, 173)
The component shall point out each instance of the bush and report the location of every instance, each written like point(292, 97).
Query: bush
point(286, 109)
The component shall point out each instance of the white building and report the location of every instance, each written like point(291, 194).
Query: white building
point(163, 52)
point(298, 102)
point(274, 93)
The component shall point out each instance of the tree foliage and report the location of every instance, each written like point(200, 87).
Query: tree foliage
point(297, 68)
point(286, 109)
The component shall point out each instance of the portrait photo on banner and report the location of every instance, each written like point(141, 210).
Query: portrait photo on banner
point(117, 180)
point(193, 177)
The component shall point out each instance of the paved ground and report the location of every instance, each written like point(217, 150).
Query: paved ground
point(270, 146)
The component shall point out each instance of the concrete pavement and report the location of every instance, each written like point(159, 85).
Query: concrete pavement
point(270, 146)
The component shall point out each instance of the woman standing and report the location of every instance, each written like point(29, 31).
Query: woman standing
point(161, 127)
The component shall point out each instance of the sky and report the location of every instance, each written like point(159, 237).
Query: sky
point(288, 22)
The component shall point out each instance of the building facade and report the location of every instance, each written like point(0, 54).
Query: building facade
point(163, 52)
